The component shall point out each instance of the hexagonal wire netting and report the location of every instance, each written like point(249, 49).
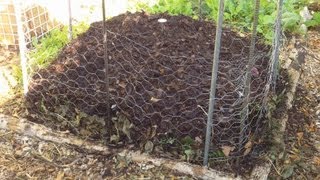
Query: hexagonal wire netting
point(159, 73)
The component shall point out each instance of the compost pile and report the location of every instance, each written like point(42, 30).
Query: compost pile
point(159, 75)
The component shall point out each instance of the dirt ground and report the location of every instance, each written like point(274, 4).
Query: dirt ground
point(301, 159)
point(8, 61)
point(23, 157)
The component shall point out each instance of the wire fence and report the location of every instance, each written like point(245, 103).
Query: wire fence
point(32, 17)
point(159, 79)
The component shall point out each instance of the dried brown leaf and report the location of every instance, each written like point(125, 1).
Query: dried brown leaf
point(247, 151)
point(316, 161)
point(148, 147)
point(248, 145)
point(227, 149)
point(299, 137)
point(60, 175)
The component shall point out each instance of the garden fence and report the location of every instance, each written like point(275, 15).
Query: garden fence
point(155, 79)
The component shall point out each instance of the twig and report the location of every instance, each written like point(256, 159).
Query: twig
point(202, 110)
point(65, 120)
point(275, 168)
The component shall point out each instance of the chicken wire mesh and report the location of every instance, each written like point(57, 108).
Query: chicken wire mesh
point(159, 80)
point(159, 72)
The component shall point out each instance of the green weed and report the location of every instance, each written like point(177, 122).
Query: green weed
point(45, 50)
point(315, 21)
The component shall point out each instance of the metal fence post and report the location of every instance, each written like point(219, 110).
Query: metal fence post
point(276, 46)
point(70, 34)
point(250, 65)
point(106, 64)
point(22, 46)
point(215, 64)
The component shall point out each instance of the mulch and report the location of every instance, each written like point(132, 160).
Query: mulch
point(159, 77)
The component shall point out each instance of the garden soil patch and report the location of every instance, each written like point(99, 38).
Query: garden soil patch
point(301, 156)
point(159, 77)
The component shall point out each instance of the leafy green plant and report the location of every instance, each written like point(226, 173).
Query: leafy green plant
point(47, 48)
point(239, 13)
point(315, 21)
point(17, 73)
point(174, 7)
point(216, 154)
point(187, 144)
point(187, 148)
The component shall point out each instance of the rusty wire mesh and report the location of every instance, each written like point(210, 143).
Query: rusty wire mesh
point(159, 83)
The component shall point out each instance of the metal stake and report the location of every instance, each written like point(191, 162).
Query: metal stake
point(213, 81)
point(106, 67)
point(22, 46)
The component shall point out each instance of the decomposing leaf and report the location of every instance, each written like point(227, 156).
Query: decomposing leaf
point(122, 161)
point(287, 172)
point(85, 132)
point(294, 157)
point(114, 138)
point(316, 161)
point(60, 175)
point(247, 151)
point(148, 147)
point(227, 149)
point(311, 128)
point(127, 125)
point(248, 147)
point(162, 71)
point(189, 153)
point(299, 137)
point(122, 85)
point(198, 140)
point(152, 131)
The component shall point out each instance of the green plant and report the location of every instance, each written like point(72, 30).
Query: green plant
point(186, 147)
point(239, 13)
point(216, 154)
point(47, 48)
point(315, 21)
point(17, 73)
point(187, 144)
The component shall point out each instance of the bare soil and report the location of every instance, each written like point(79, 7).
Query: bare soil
point(301, 157)
point(23, 157)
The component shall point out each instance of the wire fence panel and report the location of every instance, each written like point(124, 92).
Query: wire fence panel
point(159, 72)
point(157, 82)
point(8, 26)
point(34, 18)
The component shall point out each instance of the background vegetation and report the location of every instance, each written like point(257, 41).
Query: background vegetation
point(239, 13)
point(45, 50)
